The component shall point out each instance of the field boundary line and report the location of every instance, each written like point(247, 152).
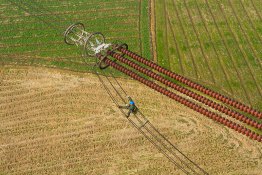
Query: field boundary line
point(53, 67)
point(72, 71)
point(67, 69)
point(200, 43)
point(194, 62)
point(167, 43)
point(256, 10)
point(79, 63)
point(210, 38)
point(153, 30)
point(240, 49)
point(140, 26)
point(221, 35)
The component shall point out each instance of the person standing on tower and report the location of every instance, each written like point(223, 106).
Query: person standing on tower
point(131, 107)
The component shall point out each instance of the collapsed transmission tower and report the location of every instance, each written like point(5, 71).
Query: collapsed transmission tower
point(93, 45)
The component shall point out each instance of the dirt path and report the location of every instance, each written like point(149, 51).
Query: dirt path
point(64, 122)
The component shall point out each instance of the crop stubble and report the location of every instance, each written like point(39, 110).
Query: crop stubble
point(67, 124)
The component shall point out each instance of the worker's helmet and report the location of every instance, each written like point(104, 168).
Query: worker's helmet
point(132, 103)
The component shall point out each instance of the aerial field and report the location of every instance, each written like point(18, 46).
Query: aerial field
point(216, 43)
point(62, 122)
point(56, 117)
point(26, 40)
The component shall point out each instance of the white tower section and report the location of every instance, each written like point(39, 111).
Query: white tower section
point(93, 43)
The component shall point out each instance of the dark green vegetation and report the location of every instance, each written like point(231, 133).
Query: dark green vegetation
point(26, 40)
point(216, 43)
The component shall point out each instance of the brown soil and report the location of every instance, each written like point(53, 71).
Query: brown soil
point(65, 123)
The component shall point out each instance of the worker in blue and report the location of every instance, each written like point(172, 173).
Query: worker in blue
point(131, 107)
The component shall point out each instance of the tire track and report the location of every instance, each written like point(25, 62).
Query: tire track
point(178, 51)
point(260, 63)
point(153, 30)
point(67, 69)
point(194, 62)
point(200, 43)
point(250, 20)
point(140, 37)
point(256, 10)
point(167, 43)
point(238, 73)
point(241, 51)
point(258, 87)
point(218, 57)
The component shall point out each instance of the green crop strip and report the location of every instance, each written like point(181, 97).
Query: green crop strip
point(214, 43)
point(146, 52)
point(25, 36)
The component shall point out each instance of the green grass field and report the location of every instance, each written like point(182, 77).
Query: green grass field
point(25, 40)
point(216, 43)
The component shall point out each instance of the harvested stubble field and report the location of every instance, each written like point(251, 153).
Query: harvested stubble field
point(216, 43)
point(63, 122)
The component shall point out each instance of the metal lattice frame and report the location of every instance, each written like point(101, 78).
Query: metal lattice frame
point(92, 43)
